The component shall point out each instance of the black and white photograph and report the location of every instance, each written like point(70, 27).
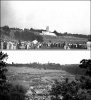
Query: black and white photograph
point(45, 50)
point(62, 25)
point(45, 75)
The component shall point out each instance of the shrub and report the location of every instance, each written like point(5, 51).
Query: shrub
point(86, 64)
point(9, 91)
point(12, 92)
point(75, 90)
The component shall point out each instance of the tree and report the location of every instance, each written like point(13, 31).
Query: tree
point(2, 74)
point(89, 37)
point(9, 91)
point(12, 34)
point(87, 65)
point(6, 28)
point(64, 90)
point(79, 89)
point(65, 33)
point(2, 68)
point(74, 90)
point(39, 38)
point(56, 33)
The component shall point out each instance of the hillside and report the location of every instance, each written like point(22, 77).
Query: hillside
point(69, 39)
point(7, 36)
point(32, 34)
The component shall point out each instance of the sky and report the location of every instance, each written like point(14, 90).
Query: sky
point(45, 56)
point(63, 16)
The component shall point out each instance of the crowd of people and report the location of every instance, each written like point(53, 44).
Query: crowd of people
point(14, 45)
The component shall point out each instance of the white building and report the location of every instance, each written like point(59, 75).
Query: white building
point(47, 32)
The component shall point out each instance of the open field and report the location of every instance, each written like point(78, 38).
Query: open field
point(38, 79)
point(35, 77)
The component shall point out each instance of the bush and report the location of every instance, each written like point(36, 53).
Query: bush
point(2, 68)
point(9, 91)
point(75, 90)
point(12, 92)
point(86, 64)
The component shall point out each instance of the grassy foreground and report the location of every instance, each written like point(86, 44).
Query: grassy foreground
point(41, 74)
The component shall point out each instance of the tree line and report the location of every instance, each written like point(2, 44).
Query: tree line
point(75, 35)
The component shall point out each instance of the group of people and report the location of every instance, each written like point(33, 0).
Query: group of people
point(40, 45)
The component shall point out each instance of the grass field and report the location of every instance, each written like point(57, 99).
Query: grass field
point(41, 77)
point(35, 77)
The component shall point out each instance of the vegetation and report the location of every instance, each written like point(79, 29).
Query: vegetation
point(9, 91)
point(2, 69)
point(5, 31)
point(19, 34)
point(71, 68)
point(74, 69)
point(75, 90)
point(26, 35)
point(80, 89)
point(31, 34)
point(86, 64)
point(75, 35)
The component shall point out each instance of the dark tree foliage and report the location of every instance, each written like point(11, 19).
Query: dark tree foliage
point(75, 90)
point(2, 73)
point(2, 68)
point(39, 38)
point(79, 89)
point(9, 91)
point(37, 30)
point(12, 92)
point(74, 35)
point(26, 35)
point(6, 28)
point(18, 35)
point(87, 65)
point(89, 39)
point(57, 33)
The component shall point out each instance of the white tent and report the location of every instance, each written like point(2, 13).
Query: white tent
point(35, 41)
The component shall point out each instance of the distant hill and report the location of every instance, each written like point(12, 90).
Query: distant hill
point(18, 34)
point(32, 34)
point(7, 36)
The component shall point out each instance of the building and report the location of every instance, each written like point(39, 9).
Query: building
point(47, 32)
point(47, 29)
